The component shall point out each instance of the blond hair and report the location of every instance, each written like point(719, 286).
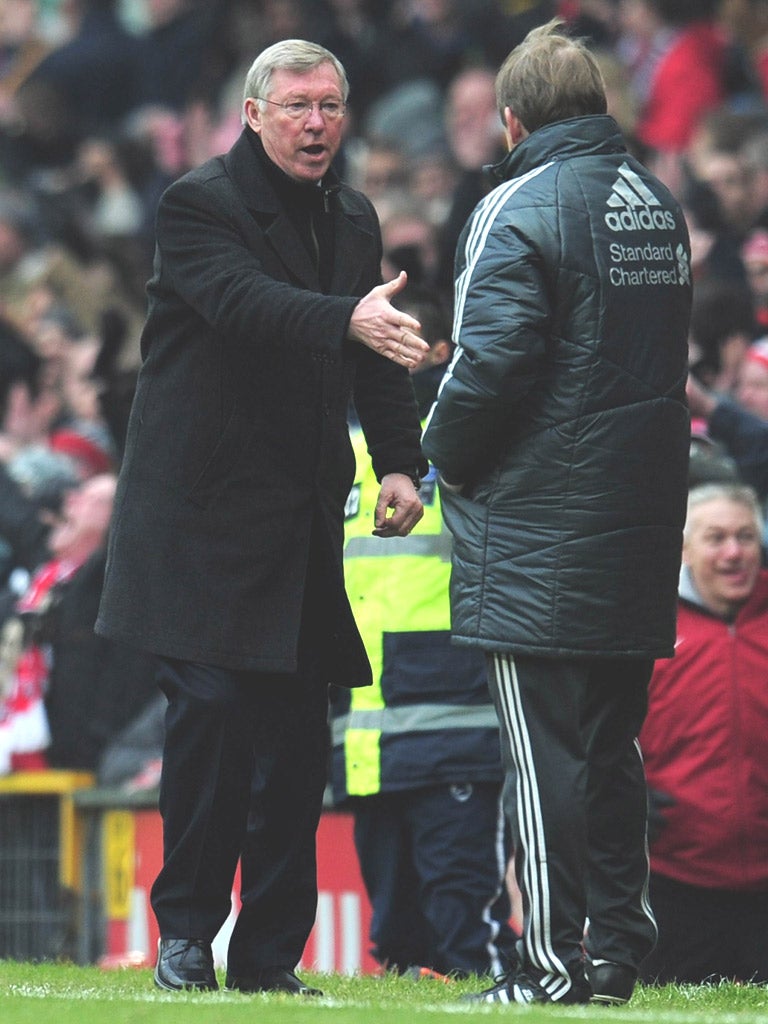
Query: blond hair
point(550, 77)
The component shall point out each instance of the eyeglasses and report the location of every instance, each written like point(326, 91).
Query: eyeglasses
point(330, 110)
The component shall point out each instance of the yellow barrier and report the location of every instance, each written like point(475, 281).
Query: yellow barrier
point(63, 784)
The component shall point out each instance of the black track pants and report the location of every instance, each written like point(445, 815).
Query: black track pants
point(576, 799)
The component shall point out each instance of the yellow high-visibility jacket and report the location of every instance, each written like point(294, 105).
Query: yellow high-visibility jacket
point(428, 717)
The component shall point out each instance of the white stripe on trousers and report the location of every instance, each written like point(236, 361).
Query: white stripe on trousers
point(536, 930)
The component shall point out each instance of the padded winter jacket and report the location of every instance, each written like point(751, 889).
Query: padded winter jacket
point(563, 414)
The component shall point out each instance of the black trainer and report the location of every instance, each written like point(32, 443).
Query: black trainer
point(519, 987)
point(185, 965)
point(612, 984)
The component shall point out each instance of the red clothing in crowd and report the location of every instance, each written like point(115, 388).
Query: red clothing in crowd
point(704, 744)
point(687, 81)
point(24, 733)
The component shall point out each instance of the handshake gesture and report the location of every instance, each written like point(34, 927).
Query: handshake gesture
point(378, 324)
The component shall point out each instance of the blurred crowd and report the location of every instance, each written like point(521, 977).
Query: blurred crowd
point(104, 102)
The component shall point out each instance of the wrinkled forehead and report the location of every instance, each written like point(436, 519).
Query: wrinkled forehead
point(321, 81)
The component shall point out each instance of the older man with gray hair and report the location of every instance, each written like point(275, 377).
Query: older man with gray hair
point(703, 742)
point(267, 317)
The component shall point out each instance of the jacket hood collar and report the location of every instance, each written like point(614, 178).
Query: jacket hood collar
point(578, 136)
point(352, 233)
point(687, 589)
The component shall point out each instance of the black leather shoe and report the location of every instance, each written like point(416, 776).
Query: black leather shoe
point(271, 979)
point(185, 964)
point(612, 984)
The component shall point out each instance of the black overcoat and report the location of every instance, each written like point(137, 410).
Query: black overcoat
point(238, 437)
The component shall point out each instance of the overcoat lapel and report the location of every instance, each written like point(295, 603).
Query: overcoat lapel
point(352, 241)
point(260, 198)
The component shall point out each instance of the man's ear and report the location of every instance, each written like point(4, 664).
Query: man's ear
point(514, 129)
point(252, 114)
point(684, 553)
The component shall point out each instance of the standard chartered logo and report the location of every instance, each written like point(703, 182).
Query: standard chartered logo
point(633, 207)
point(683, 264)
point(635, 265)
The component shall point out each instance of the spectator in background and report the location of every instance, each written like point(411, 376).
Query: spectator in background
point(753, 152)
point(28, 405)
point(86, 84)
point(40, 272)
point(709, 462)
point(171, 52)
point(21, 50)
point(353, 29)
point(23, 532)
point(703, 743)
point(427, 39)
point(24, 725)
point(410, 243)
point(747, 24)
point(722, 329)
point(715, 250)
point(95, 687)
point(475, 139)
point(743, 435)
point(721, 166)
point(675, 52)
point(381, 170)
point(113, 207)
point(416, 757)
point(752, 380)
point(754, 254)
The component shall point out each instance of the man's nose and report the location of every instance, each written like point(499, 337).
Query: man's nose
point(314, 117)
point(732, 547)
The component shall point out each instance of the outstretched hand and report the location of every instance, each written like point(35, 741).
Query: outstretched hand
point(378, 324)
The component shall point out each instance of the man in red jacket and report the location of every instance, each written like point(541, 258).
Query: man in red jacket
point(705, 753)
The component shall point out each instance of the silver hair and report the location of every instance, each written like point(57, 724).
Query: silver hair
point(739, 494)
point(296, 55)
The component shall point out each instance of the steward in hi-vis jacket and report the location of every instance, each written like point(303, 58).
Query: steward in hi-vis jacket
point(418, 752)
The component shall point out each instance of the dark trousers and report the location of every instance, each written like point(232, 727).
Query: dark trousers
point(707, 934)
point(576, 798)
point(244, 770)
point(433, 861)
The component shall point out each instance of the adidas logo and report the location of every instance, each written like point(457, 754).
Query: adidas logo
point(633, 207)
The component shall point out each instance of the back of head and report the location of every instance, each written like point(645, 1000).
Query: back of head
point(550, 77)
point(295, 55)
